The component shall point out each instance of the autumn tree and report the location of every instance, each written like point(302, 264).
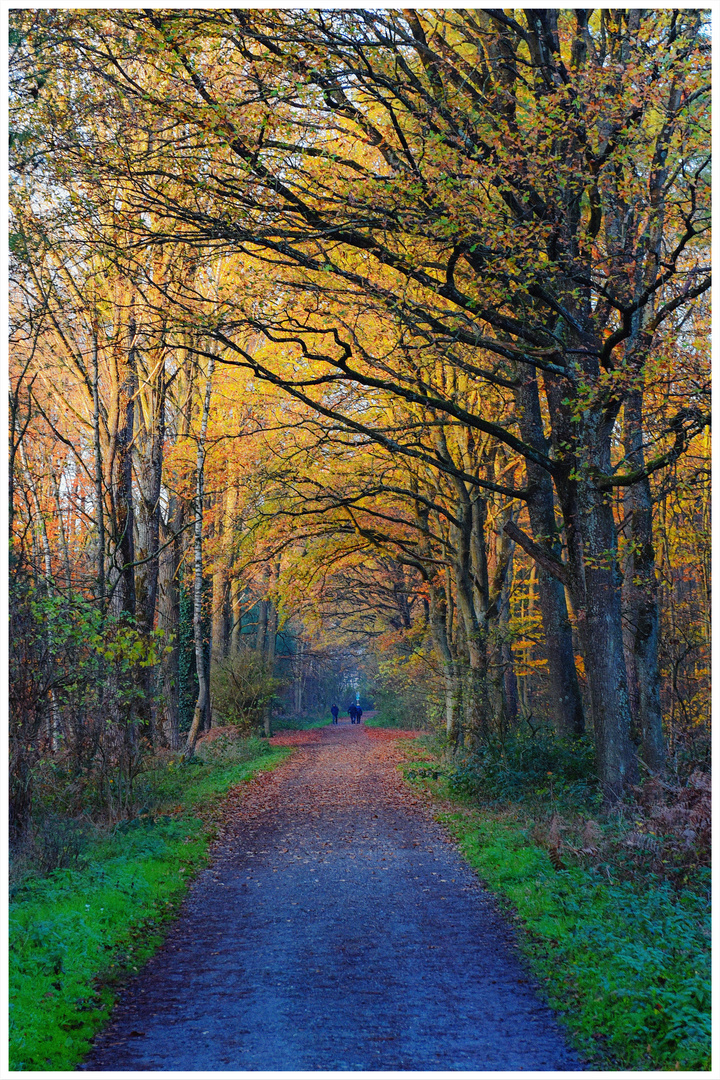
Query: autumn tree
point(462, 210)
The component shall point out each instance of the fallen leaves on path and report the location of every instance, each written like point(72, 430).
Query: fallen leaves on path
point(296, 738)
point(357, 767)
point(388, 734)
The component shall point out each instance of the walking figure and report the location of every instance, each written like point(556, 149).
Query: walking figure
point(352, 713)
point(358, 714)
point(334, 710)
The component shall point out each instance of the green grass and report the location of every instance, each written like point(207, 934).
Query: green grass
point(291, 723)
point(77, 933)
point(627, 963)
point(624, 959)
point(387, 720)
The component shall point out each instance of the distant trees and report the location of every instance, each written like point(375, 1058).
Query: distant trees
point(470, 245)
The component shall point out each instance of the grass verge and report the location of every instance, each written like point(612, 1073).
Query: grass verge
point(623, 958)
point(383, 720)
point(292, 723)
point(76, 934)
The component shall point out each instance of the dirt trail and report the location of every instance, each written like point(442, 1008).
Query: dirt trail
point(337, 929)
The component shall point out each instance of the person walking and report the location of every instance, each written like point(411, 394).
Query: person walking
point(358, 714)
point(334, 710)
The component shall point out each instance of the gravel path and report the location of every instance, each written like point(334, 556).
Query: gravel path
point(337, 929)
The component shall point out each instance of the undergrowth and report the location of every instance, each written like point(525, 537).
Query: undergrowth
point(77, 932)
point(390, 720)
point(612, 907)
point(294, 723)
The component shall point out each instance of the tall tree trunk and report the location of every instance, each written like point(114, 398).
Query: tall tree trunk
point(221, 577)
point(39, 525)
point(123, 601)
point(563, 686)
point(595, 588)
point(62, 535)
point(149, 457)
point(269, 658)
point(201, 705)
point(217, 614)
point(99, 486)
point(169, 582)
point(261, 633)
point(54, 719)
point(262, 613)
point(498, 568)
point(298, 676)
point(594, 582)
point(150, 472)
point(526, 695)
point(640, 595)
point(470, 577)
point(475, 704)
point(169, 623)
point(440, 619)
point(438, 628)
point(236, 615)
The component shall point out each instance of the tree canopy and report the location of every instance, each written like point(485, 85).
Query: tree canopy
point(401, 313)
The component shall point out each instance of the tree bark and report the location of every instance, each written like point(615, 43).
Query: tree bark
point(123, 600)
point(236, 614)
point(438, 627)
point(440, 619)
point(466, 537)
point(99, 486)
point(269, 658)
point(168, 622)
point(201, 705)
point(640, 596)
point(62, 536)
point(563, 687)
point(595, 589)
point(149, 472)
point(221, 577)
point(261, 633)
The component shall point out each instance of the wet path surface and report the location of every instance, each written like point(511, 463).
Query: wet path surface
point(337, 929)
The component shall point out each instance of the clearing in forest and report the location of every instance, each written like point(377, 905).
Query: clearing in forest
point(336, 929)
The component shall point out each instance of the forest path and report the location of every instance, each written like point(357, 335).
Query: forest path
point(336, 929)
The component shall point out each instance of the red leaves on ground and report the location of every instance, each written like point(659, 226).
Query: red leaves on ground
point(390, 733)
point(296, 738)
point(334, 770)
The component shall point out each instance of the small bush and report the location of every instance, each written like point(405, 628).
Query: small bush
point(398, 718)
point(299, 723)
point(538, 766)
point(241, 687)
point(231, 751)
point(60, 844)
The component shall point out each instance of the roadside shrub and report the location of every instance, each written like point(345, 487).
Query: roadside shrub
point(228, 750)
point(301, 723)
point(666, 830)
point(79, 708)
point(535, 766)
point(61, 844)
point(402, 720)
point(241, 686)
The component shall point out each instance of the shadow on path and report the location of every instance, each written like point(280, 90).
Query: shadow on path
point(337, 929)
